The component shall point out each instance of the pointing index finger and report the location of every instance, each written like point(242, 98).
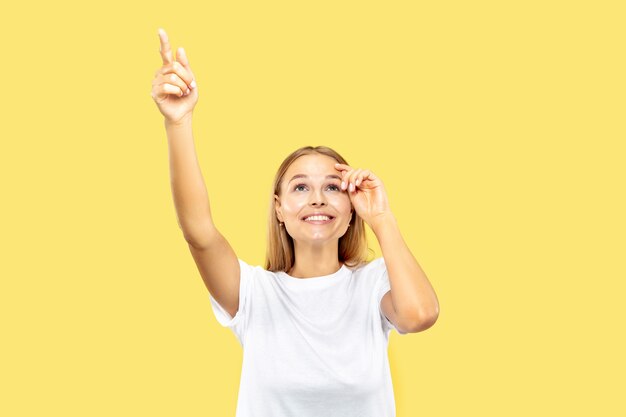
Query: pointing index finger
point(166, 52)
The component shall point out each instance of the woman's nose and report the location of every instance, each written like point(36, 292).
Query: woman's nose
point(318, 202)
point(318, 198)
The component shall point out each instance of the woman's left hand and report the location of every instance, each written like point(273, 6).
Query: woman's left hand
point(367, 193)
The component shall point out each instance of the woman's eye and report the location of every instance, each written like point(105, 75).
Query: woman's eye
point(334, 186)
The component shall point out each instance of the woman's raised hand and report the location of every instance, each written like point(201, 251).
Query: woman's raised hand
point(174, 88)
point(367, 194)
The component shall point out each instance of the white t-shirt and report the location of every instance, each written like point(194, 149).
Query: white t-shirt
point(313, 347)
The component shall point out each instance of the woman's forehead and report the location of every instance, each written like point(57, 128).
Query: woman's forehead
point(313, 165)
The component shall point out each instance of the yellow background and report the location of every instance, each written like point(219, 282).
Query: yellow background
point(497, 128)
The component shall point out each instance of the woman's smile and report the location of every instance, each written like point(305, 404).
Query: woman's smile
point(319, 220)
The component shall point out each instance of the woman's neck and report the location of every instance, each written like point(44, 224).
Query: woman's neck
point(314, 261)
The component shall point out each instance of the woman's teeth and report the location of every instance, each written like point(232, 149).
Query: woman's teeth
point(317, 218)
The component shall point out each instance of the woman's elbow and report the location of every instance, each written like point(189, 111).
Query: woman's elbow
point(425, 320)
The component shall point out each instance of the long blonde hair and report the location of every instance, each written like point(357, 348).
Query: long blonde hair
point(280, 255)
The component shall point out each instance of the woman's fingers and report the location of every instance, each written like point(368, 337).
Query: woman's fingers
point(162, 91)
point(349, 176)
point(181, 67)
point(354, 174)
point(182, 58)
point(176, 81)
point(166, 52)
point(345, 171)
point(172, 89)
point(172, 79)
point(181, 72)
point(353, 178)
point(365, 175)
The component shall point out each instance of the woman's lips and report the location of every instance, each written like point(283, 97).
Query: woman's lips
point(319, 221)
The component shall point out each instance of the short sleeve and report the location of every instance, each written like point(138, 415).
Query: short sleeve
point(382, 287)
point(238, 323)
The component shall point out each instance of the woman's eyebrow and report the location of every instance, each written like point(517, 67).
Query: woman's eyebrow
point(306, 176)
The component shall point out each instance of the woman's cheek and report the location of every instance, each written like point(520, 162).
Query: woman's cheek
point(295, 205)
point(343, 200)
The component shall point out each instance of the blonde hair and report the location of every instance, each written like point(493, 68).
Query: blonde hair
point(280, 254)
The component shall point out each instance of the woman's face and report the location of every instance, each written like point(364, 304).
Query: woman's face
point(316, 189)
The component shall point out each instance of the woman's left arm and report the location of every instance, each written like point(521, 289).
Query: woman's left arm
point(414, 299)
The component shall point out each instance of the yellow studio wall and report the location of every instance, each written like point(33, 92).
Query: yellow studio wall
point(496, 127)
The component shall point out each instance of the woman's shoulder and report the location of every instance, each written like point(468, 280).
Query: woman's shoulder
point(252, 268)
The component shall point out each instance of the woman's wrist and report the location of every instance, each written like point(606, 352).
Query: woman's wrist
point(183, 121)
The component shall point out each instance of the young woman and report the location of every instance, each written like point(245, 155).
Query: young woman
point(314, 323)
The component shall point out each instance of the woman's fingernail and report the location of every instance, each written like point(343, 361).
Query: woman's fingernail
point(187, 92)
point(193, 84)
point(343, 185)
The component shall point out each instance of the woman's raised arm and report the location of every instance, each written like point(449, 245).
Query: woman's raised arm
point(175, 93)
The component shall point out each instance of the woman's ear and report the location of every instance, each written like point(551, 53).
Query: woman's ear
point(277, 208)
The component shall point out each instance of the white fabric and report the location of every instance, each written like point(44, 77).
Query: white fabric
point(312, 347)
